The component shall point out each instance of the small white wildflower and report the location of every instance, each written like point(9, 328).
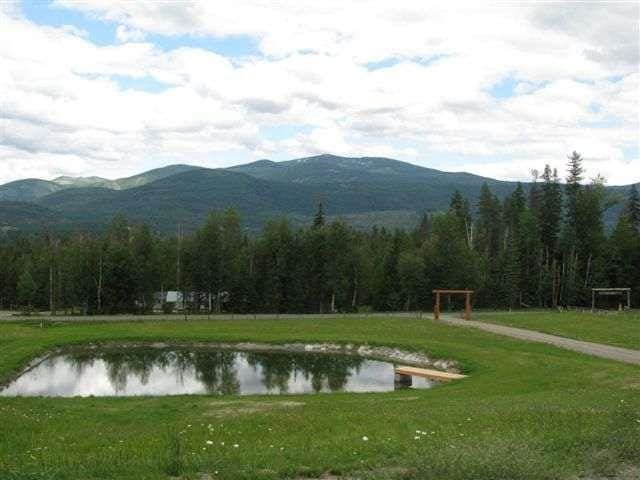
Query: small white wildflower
point(222, 443)
point(365, 439)
point(235, 445)
point(209, 442)
point(416, 437)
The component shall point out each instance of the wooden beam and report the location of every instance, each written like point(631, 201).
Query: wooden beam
point(452, 291)
point(427, 373)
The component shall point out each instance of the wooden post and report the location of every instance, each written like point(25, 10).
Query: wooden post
point(436, 309)
point(593, 299)
point(467, 306)
point(629, 299)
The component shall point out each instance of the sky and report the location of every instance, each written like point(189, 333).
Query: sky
point(114, 88)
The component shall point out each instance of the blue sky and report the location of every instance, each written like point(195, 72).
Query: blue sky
point(113, 88)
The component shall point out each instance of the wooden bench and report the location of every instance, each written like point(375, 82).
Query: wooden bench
point(432, 374)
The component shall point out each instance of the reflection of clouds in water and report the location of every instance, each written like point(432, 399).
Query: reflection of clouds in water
point(205, 372)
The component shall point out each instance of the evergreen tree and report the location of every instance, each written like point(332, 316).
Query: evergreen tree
point(514, 205)
point(623, 256)
point(145, 271)
point(119, 291)
point(318, 220)
point(459, 207)
point(575, 171)
point(488, 230)
point(26, 288)
point(424, 227)
point(550, 212)
point(633, 207)
point(411, 275)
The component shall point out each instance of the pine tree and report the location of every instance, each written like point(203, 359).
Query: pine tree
point(318, 220)
point(424, 227)
point(623, 255)
point(633, 207)
point(511, 269)
point(534, 191)
point(459, 207)
point(573, 189)
point(575, 172)
point(550, 211)
point(487, 238)
point(514, 205)
point(549, 217)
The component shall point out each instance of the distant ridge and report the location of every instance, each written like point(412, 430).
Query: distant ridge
point(31, 189)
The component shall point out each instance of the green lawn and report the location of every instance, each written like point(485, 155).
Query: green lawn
point(526, 411)
point(619, 329)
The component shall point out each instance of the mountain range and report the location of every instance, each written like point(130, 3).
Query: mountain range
point(363, 191)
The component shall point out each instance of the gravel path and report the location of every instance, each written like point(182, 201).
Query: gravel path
point(596, 349)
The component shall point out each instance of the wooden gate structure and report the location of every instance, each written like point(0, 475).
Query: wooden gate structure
point(467, 302)
point(619, 292)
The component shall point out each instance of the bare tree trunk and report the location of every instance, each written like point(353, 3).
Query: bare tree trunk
point(554, 296)
point(179, 253)
point(586, 276)
point(51, 305)
point(333, 302)
point(354, 299)
point(100, 284)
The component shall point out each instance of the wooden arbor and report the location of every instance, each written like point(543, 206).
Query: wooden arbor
point(620, 292)
point(467, 302)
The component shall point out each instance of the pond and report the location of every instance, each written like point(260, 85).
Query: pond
point(149, 371)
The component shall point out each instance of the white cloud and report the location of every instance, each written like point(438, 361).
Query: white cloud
point(126, 34)
point(77, 107)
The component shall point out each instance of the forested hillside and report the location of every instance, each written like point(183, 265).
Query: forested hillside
point(32, 189)
point(361, 191)
point(543, 248)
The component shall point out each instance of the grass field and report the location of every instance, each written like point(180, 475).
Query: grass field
point(619, 329)
point(526, 411)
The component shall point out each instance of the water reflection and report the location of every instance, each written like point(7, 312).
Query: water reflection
point(214, 372)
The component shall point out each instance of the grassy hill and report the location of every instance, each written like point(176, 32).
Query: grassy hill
point(363, 191)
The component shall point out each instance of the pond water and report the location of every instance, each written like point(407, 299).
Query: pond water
point(138, 371)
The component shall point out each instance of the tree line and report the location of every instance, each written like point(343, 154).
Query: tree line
point(546, 247)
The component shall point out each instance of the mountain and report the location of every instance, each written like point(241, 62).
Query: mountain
point(335, 169)
point(363, 191)
point(27, 190)
point(31, 189)
point(184, 198)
